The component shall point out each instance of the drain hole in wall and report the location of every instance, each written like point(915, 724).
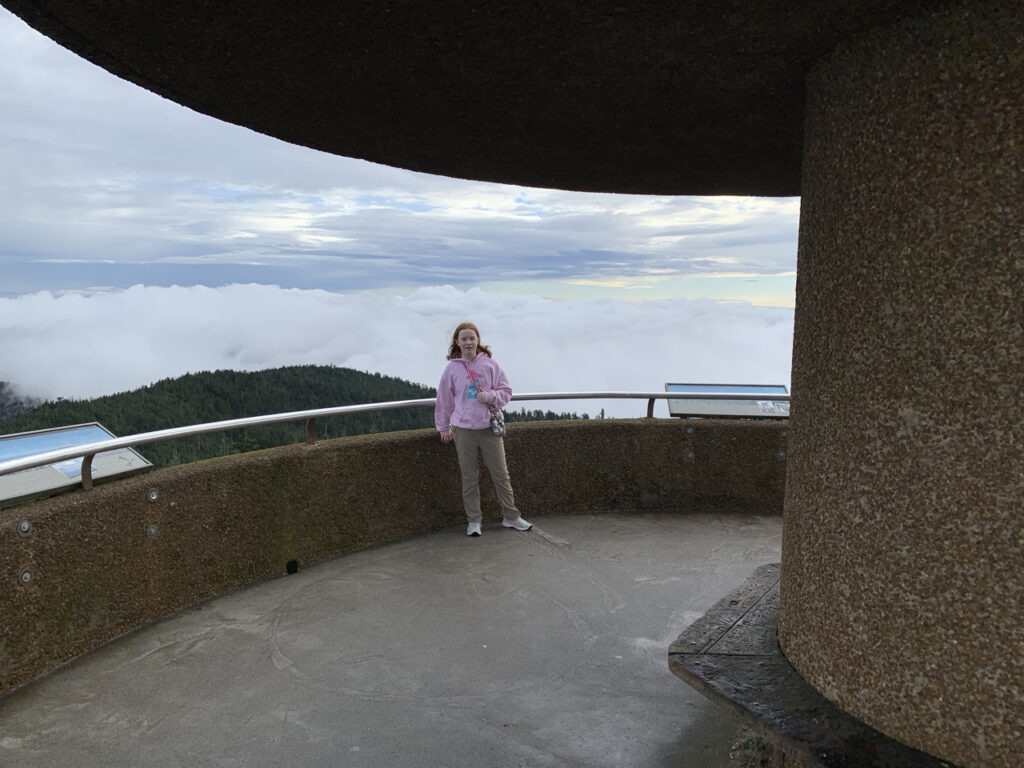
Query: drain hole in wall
point(292, 566)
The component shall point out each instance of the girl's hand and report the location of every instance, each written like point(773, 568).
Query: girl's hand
point(481, 396)
point(447, 437)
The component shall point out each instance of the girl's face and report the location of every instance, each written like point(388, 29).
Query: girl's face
point(468, 343)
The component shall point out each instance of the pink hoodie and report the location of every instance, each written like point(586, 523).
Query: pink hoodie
point(455, 407)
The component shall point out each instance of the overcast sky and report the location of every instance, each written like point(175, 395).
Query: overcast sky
point(142, 240)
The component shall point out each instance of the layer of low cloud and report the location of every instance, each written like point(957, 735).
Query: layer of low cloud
point(78, 345)
point(329, 260)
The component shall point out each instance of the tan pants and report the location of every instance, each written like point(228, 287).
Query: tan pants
point(470, 445)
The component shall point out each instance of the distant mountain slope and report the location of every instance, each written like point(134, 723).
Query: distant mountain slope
point(212, 396)
point(12, 404)
point(196, 398)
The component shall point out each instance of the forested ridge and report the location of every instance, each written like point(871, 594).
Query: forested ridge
point(11, 403)
point(208, 396)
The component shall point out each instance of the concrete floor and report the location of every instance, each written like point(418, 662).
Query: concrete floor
point(545, 648)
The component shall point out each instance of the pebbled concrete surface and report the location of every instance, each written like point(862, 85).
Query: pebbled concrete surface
point(545, 648)
point(902, 587)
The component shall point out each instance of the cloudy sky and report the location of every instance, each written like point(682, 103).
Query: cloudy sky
point(141, 240)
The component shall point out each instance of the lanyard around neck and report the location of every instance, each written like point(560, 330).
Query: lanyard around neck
point(466, 366)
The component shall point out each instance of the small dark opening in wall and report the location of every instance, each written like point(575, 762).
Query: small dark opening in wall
point(292, 566)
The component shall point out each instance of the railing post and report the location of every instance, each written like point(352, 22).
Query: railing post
point(650, 408)
point(87, 471)
point(310, 437)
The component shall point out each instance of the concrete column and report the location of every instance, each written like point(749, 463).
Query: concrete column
point(903, 545)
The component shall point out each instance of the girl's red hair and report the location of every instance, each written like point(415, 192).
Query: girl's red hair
point(454, 353)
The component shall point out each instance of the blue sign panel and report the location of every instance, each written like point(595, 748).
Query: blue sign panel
point(52, 478)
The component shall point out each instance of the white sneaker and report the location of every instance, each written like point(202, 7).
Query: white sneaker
point(473, 529)
point(519, 524)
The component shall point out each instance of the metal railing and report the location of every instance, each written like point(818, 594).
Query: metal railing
point(88, 451)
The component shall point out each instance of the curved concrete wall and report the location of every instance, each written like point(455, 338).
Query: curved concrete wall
point(105, 561)
point(903, 572)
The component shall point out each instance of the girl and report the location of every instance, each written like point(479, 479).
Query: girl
point(471, 381)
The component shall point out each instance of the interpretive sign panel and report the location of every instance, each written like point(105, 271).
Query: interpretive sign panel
point(53, 478)
point(697, 400)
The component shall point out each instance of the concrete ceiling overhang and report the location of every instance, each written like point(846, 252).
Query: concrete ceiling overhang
point(679, 97)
